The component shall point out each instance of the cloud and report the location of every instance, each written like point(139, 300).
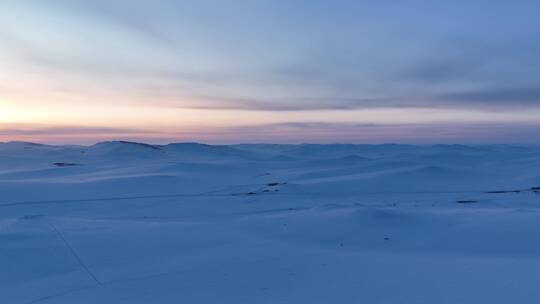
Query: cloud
point(498, 96)
point(322, 132)
point(494, 99)
point(290, 132)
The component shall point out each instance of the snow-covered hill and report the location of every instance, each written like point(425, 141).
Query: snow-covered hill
point(123, 222)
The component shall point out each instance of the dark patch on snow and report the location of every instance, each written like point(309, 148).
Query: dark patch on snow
point(65, 164)
point(503, 191)
point(532, 189)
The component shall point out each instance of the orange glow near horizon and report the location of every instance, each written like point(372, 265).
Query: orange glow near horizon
point(28, 121)
point(44, 115)
point(163, 117)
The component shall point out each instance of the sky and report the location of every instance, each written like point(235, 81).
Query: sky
point(283, 71)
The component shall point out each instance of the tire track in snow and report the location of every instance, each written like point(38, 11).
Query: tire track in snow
point(74, 253)
point(116, 198)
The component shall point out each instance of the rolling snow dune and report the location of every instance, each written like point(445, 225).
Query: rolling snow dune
point(124, 222)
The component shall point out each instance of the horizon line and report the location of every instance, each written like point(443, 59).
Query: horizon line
point(264, 143)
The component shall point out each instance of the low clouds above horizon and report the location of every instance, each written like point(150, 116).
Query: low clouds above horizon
point(313, 132)
point(214, 64)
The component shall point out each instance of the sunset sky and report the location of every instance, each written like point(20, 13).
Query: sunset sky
point(270, 71)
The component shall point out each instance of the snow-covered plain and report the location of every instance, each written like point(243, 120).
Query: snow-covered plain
point(121, 222)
